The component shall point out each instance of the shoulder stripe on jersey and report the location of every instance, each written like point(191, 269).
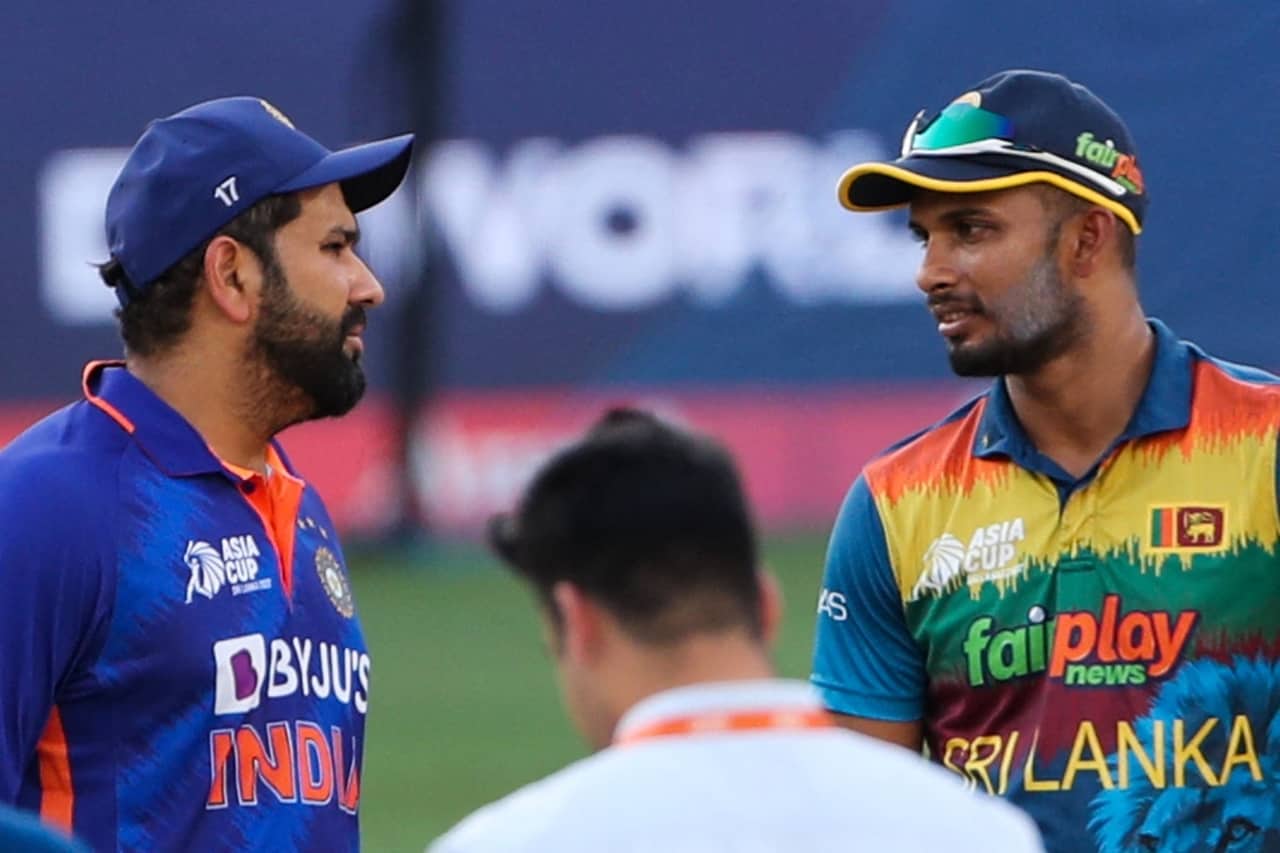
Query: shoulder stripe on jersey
point(57, 799)
point(941, 456)
point(1233, 400)
point(112, 412)
point(1243, 373)
point(1229, 406)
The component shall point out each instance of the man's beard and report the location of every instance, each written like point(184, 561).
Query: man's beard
point(303, 356)
point(1033, 325)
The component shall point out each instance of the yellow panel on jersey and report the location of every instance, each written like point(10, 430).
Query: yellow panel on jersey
point(955, 519)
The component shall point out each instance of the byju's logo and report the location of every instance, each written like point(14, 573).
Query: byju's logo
point(251, 669)
point(242, 668)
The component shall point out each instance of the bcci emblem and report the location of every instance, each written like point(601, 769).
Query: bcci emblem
point(334, 581)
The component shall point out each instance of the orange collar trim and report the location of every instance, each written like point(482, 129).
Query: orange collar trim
point(86, 378)
point(737, 721)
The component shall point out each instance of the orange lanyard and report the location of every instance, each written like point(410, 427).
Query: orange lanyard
point(738, 721)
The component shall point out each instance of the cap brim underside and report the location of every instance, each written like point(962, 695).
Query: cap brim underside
point(368, 173)
point(880, 186)
point(873, 186)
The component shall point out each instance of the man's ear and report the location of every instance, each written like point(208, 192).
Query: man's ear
point(771, 604)
point(581, 626)
point(233, 278)
point(1093, 236)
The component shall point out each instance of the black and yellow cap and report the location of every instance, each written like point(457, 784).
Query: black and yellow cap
point(1014, 128)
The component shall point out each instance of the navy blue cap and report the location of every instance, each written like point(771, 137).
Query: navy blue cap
point(1053, 131)
point(192, 173)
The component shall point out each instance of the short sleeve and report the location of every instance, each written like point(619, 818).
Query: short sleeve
point(865, 661)
point(52, 610)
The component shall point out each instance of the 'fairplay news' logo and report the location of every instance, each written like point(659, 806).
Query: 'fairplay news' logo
point(1080, 648)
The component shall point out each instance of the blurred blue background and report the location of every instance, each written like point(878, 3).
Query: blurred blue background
point(618, 200)
point(629, 198)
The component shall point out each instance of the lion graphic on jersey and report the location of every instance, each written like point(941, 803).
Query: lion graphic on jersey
point(1238, 814)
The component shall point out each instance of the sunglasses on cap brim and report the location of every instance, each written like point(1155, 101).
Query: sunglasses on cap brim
point(963, 130)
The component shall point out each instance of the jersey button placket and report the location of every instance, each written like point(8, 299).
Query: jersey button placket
point(1076, 581)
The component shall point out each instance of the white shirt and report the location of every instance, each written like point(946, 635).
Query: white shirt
point(745, 790)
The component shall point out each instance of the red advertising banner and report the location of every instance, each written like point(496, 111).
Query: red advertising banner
point(471, 452)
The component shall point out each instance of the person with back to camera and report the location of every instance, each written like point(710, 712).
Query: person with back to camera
point(640, 550)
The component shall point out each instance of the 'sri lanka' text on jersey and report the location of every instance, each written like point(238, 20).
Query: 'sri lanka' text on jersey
point(207, 682)
point(1105, 653)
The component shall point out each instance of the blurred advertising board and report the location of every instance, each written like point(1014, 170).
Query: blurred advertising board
point(619, 201)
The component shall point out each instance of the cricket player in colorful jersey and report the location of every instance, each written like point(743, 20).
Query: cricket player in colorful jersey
point(183, 667)
point(1068, 589)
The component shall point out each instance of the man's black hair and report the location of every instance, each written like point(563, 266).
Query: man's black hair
point(159, 314)
point(646, 519)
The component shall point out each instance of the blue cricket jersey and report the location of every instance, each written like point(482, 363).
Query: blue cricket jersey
point(183, 668)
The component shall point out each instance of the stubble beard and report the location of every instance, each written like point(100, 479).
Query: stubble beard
point(1034, 325)
point(299, 369)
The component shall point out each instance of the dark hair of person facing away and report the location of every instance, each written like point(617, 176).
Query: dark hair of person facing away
point(159, 313)
point(648, 521)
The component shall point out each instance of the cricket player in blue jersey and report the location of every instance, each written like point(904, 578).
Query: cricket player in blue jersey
point(183, 666)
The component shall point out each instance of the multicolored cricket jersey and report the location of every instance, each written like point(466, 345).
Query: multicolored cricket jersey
point(183, 668)
point(1104, 651)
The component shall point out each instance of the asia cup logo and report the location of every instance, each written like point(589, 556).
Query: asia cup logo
point(235, 567)
point(943, 566)
point(207, 572)
point(989, 555)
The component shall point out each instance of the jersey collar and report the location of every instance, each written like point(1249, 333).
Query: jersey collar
point(1165, 405)
point(163, 435)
